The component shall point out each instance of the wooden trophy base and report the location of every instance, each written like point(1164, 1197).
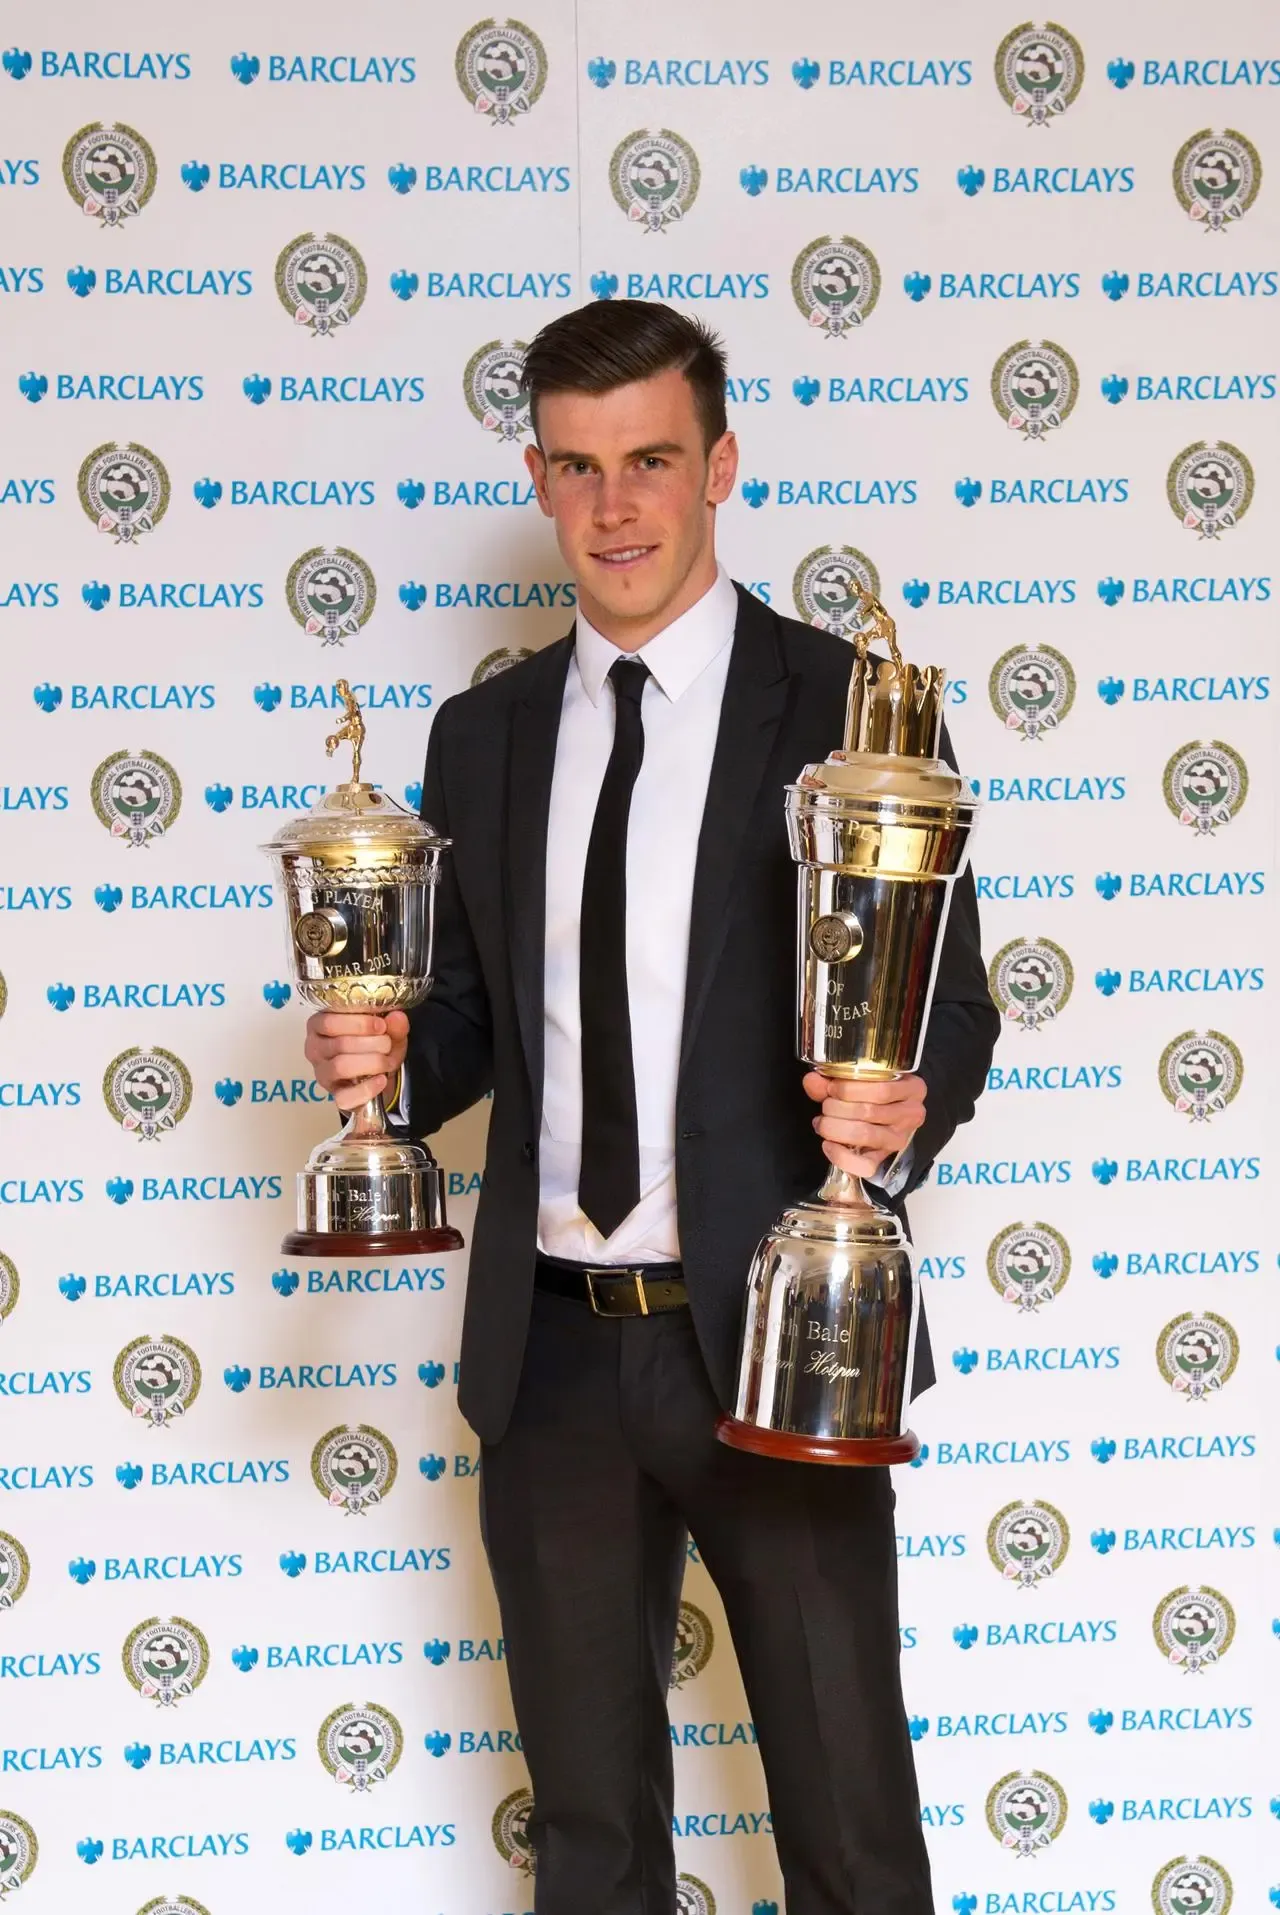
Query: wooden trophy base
point(856, 1451)
point(349, 1243)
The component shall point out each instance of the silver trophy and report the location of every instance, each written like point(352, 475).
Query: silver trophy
point(880, 833)
point(359, 876)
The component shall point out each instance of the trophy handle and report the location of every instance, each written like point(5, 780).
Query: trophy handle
point(841, 1187)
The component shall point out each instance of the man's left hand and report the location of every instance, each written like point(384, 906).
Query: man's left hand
point(863, 1125)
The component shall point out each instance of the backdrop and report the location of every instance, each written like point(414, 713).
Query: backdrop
point(1000, 302)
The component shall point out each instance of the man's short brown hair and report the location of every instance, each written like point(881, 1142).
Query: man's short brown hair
point(613, 342)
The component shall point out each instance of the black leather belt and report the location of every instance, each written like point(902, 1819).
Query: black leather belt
point(615, 1290)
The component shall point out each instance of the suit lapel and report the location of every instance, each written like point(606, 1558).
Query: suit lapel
point(535, 727)
point(756, 694)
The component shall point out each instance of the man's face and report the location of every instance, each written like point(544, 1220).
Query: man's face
point(632, 489)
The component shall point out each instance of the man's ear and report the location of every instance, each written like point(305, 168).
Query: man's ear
point(537, 469)
point(722, 468)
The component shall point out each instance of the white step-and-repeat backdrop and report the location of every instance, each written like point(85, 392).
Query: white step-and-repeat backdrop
point(1001, 302)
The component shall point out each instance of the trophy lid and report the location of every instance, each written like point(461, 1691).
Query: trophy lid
point(893, 724)
point(355, 819)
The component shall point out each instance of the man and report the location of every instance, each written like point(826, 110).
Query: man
point(615, 960)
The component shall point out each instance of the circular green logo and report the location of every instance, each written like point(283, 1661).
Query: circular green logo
point(331, 593)
point(495, 390)
point(1191, 1885)
point(1039, 71)
point(1197, 1353)
point(1216, 177)
point(655, 178)
point(1026, 1811)
point(321, 282)
point(166, 1659)
point(124, 489)
point(511, 1830)
point(501, 66)
point(1031, 980)
point(830, 588)
point(1205, 784)
point(110, 171)
point(1027, 1542)
point(354, 1467)
point(1200, 1073)
point(1035, 386)
point(1210, 487)
point(360, 1746)
point(836, 283)
point(1193, 1627)
point(1027, 1264)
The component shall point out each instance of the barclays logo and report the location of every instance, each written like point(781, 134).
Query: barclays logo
point(1036, 491)
point(895, 73)
point(1178, 1263)
point(23, 279)
point(286, 492)
point(841, 492)
point(1193, 285)
point(1057, 790)
point(1196, 73)
point(905, 389)
point(997, 286)
point(1002, 1172)
point(351, 389)
point(1048, 181)
point(697, 73)
point(188, 1846)
point(322, 1655)
point(106, 1287)
point(497, 284)
point(1039, 1360)
point(677, 287)
point(1180, 884)
point(1208, 690)
point(311, 1376)
point(186, 897)
point(321, 69)
point(841, 181)
point(271, 176)
point(986, 591)
point(390, 1835)
point(1014, 886)
point(1173, 1449)
point(123, 388)
point(96, 64)
point(153, 697)
point(367, 1562)
point(1188, 591)
point(27, 491)
point(1192, 387)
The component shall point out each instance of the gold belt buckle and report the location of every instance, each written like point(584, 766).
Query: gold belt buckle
point(637, 1277)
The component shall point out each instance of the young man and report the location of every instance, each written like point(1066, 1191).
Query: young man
point(615, 960)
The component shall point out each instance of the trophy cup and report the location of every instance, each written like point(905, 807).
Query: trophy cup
point(358, 874)
point(880, 833)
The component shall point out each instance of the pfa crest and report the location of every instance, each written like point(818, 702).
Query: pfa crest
point(1039, 71)
point(321, 282)
point(1191, 1885)
point(1032, 688)
point(1216, 177)
point(15, 1570)
point(1205, 785)
point(1027, 1264)
point(502, 68)
point(1026, 1810)
point(360, 1746)
point(1197, 1353)
point(157, 1379)
point(511, 1830)
point(166, 1659)
point(655, 178)
point(331, 593)
point(1210, 487)
point(173, 1905)
point(110, 172)
point(4, 1005)
point(124, 489)
point(19, 1852)
point(495, 390)
point(354, 1466)
point(1027, 1542)
point(9, 1285)
point(1193, 1627)
point(148, 1091)
point(495, 663)
point(1031, 981)
point(1034, 387)
point(829, 587)
point(836, 283)
point(693, 1897)
point(1200, 1073)
point(695, 1639)
point(136, 795)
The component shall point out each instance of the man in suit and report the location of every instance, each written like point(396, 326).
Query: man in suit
point(615, 960)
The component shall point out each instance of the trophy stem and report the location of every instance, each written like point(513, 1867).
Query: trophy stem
point(840, 1187)
point(367, 1123)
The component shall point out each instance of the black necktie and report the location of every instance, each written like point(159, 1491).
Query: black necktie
point(609, 1179)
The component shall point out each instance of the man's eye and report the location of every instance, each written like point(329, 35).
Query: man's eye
point(652, 463)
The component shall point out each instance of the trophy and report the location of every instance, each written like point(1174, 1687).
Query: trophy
point(359, 875)
point(880, 833)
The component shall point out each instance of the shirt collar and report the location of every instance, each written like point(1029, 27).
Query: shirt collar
point(676, 655)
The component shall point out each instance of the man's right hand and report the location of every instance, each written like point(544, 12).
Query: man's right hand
point(355, 1055)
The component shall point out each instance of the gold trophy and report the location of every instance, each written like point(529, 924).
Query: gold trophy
point(880, 833)
point(359, 875)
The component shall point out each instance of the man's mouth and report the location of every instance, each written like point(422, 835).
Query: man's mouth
point(623, 556)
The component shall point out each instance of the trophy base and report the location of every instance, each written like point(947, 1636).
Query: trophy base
point(857, 1451)
point(346, 1243)
point(368, 1208)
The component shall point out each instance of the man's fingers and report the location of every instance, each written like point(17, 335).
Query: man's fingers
point(351, 1096)
point(852, 1090)
point(843, 1130)
point(349, 1023)
point(319, 1048)
point(351, 1066)
point(857, 1163)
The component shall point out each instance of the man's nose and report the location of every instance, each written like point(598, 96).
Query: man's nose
point(612, 506)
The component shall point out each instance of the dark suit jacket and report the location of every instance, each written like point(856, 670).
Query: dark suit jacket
point(745, 1146)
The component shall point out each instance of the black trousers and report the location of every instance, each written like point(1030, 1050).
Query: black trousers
point(609, 1460)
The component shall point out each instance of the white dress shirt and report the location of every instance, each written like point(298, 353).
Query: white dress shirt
point(688, 663)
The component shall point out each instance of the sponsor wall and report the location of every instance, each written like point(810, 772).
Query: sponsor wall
point(1001, 307)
